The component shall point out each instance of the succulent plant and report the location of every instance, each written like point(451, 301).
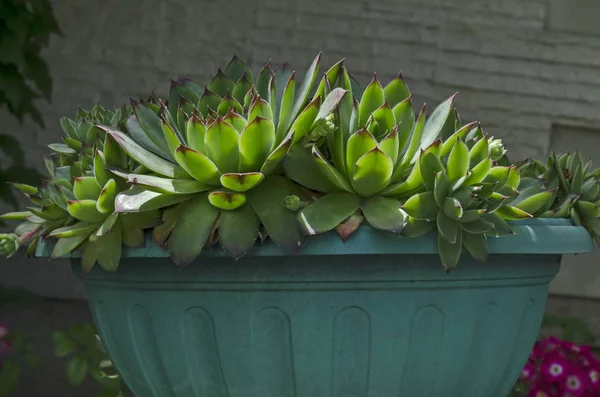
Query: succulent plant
point(9, 244)
point(218, 150)
point(76, 206)
point(575, 188)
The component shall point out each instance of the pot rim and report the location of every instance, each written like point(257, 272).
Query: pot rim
point(531, 236)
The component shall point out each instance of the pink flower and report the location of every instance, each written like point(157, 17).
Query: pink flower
point(539, 391)
point(528, 371)
point(593, 379)
point(574, 384)
point(554, 368)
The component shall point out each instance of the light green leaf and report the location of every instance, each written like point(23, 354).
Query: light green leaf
point(106, 201)
point(535, 202)
point(417, 227)
point(456, 136)
point(237, 69)
point(479, 172)
point(242, 86)
point(412, 184)
point(307, 84)
point(286, 108)
point(359, 143)
point(241, 182)
point(372, 98)
point(328, 212)
point(260, 108)
point(588, 210)
point(385, 214)
point(441, 188)
point(238, 230)
point(385, 119)
point(396, 91)
point(458, 162)
point(372, 173)
point(78, 229)
point(411, 154)
point(479, 151)
point(192, 229)
point(471, 215)
point(405, 117)
point(108, 224)
point(229, 103)
point(280, 223)
point(100, 172)
point(256, 142)
point(389, 145)
point(236, 120)
point(84, 210)
point(221, 84)
point(77, 368)
point(151, 125)
point(173, 141)
point(330, 104)
point(430, 166)
point(208, 101)
point(196, 164)
point(452, 208)
point(305, 120)
point(227, 200)
point(277, 155)
point(512, 213)
point(222, 146)
point(62, 148)
point(85, 188)
point(421, 206)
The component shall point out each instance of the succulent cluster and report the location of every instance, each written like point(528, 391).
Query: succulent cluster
point(247, 157)
point(575, 188)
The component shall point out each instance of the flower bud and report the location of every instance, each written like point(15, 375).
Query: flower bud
point(9, 244)
point(292, 203)
point(497, 149)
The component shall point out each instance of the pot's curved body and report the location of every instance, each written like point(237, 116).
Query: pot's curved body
point(375, 317)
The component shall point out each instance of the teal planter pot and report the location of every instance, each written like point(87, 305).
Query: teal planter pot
point(376, 316)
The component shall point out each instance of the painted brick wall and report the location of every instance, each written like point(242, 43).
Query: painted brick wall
point(512, 74)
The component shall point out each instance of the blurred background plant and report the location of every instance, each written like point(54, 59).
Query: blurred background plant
point(25, 30)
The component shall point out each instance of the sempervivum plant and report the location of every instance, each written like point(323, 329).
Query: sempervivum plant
point(76, 205)
point(218, 150)
point(404, 175)
point(575, 186)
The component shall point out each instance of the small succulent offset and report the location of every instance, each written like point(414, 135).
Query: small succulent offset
point(575, 189)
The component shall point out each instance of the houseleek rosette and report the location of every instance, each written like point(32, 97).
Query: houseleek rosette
point(575, 187)
point(76, 206)
point(218, 151)
point(404, 175)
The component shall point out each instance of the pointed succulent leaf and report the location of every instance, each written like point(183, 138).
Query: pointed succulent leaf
point(417, 227)
point(479, 151)
point(345, 107)
point(262, 81)
point(142, 220)
point(450, 252)
point(396, 91)
point(222, 146)
point(85, 188)
point(49, 212)
point(421, 206)
point(588, 210)
point(358, 144)
point(479, 172)
point(192, 229)
point(9, 216)
point(241, 182)
point(137, 199)
point(66, 245)
point(385, 214)
point(227, 200)
point(328, 212)
point(196, 164)
point(78, 229)
point(100, 172)
point(452, 208)
point(433, 128)
point(236, 120)
point(512, 213)
point(413, 184)
point(300, 167)
point(108, 224)
point(132, 237)
point(458, 162)
point(256, 142)
point(221, 84)
point(500, 226)
point(389, 145)
point(237, 68)
point(114, 156)
point(144, 157)
point(238, 230)
point(334, 176)
point(372, 98)
point(195, 131)
point(108, 248)
point(85, 210)
point(477, 226)
point(475, 245)
point(286, 108)
point(277, 155)
point(577, 180)
point(229, 103)
point(330, 103)
point(430, 166)
point(242, 87)
point(456, 136)
point(472, 215)
point(62, 148)
point(305, 120)
point(447, 227)
point(307, 84)
point(412, 152)
point(260, 108)
point(168, 185)
point(405, 117)
point(533, 203)
point(106, 200)
point(173, 141)
point(141, 137)
point(385, 119)
point(280, 223)
point(29, 190)
point(441, 188)
point(208, 101)
point(151, 126)
point(88, 256)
